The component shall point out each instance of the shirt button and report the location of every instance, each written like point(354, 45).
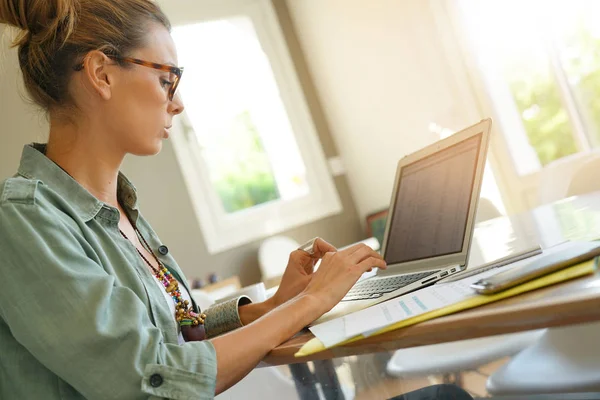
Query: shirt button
point(156, 380)
point(162, 249)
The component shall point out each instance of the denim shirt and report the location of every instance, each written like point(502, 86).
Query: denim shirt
point(80, 314)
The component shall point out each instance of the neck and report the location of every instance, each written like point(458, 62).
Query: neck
point(92, 163)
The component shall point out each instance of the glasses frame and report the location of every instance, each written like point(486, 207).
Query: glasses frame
point(177, 71)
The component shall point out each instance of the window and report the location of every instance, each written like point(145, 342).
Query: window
point(541, 66)
point(249, 152)
point(489, 187)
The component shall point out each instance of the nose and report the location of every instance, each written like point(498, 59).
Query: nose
point(176, 105)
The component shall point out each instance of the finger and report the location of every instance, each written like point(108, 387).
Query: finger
point(363, 253)
point(321, 247)
point(351, 249)
point(356, 248)
point(371, 262)
point(301, 257)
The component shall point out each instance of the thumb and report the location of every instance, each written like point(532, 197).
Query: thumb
point(300, 257)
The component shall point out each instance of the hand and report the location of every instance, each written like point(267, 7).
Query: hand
point(299, 271)
point(338, 272)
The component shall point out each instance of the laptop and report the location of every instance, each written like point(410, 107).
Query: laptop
point(430, 220)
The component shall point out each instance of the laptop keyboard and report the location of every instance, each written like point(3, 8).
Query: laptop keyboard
point(374, 288)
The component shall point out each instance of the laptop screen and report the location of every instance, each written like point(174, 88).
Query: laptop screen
point(432, 202)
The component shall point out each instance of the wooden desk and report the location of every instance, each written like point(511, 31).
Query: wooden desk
point(572, 302)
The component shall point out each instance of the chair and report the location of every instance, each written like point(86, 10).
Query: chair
point(563, 360)
point(450, 359)
point(557, 176)
point(585, 178)
point(273, 255)
point(486, 210)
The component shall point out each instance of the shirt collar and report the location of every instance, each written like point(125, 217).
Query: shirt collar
point(35, 165)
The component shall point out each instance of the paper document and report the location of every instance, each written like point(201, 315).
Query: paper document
point(370, 320)
point(410, 305)
point(381, 315)
point(331, 332)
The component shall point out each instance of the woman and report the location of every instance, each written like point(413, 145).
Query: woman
point(116, 319)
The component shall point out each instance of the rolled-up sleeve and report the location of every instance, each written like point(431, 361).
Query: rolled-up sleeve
point(72, 316)
point(224, 317)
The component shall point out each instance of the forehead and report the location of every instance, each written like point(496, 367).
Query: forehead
point(159, 47)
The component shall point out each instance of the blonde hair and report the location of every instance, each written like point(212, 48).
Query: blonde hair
point(57, 34)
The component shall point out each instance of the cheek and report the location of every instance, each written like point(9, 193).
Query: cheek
point(149, 94)
point(143, 105)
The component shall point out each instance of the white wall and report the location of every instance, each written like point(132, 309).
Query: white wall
point(20, 123)
point(381, 75)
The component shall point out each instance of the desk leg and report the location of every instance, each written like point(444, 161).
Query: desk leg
point(305, 381)
point(327, 377)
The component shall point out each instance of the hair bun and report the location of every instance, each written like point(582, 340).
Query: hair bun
point(42, 19)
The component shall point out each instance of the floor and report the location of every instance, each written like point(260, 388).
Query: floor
point(378, 385)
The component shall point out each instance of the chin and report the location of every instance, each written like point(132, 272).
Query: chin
point(156, 149)
point(149, 149)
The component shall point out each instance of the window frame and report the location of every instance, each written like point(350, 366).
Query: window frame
point(513, 127)
point(224, 231)
point(519, 191)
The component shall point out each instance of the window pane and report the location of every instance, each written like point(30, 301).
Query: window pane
point(578, 35)
point(538, 101)
point(236, 112)
point(512, 47)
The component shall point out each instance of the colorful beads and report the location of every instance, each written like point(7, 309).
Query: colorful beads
point(184, 314)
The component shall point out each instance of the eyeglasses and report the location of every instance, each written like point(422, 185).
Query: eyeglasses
point(177, 71)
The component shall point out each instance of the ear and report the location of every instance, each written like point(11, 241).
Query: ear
point(99, 78)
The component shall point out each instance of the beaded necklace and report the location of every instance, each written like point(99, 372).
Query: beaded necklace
point(191, 323)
